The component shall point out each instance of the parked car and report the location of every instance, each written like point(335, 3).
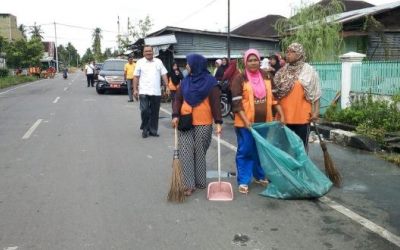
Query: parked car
point(111, 76)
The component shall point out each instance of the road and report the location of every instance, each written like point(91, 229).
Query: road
point(76, 174)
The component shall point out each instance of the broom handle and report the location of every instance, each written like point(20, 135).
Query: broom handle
point(219, 158)
point(317, 131)
point(176, 139)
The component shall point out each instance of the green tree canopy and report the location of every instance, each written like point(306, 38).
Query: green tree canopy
point(88, 56)
point(96, 46)
point(36, 32)
point(135, 32)
point(309, 26)
point(24, 53)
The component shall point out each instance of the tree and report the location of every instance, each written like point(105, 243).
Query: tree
point(22, 53)
point(309, 26)
point(36, 32)
point(135, 32)
point(88, 56)
point(22, 28)
point(96, 46)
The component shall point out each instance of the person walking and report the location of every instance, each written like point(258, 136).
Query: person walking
point(147, 88)
point(221, 69)
point(297, 87)
point(128, 76)
point(198, 95)
point(174, 80)
point(89, 71)
point(252, 102)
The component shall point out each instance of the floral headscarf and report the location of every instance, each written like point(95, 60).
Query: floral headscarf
point(298, 70)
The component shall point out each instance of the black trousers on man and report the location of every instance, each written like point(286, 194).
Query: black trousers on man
point(90, 80)
point(150, 109)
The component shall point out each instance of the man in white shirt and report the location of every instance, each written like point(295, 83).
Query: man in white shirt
point(147, 87)
point(89, 71)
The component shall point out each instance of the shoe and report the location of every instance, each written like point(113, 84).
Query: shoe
point(244, 189)
point(153, 134)
point(263, 183)
point(130, 100)
point(145, 134)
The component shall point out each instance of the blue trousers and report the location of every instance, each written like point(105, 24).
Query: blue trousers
point(247, 161)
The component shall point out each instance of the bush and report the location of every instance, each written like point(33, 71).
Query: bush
point(4, 72)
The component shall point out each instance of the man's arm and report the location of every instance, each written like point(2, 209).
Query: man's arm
point(135, 87)
point(165, 79)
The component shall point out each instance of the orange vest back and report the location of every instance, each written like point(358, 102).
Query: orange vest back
point(248, 103)
point(202, 114)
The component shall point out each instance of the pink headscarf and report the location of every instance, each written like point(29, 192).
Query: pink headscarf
point(255, 78)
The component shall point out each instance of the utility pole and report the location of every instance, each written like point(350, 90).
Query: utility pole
point(55, 39)
point(119, 37)
point(228, 42)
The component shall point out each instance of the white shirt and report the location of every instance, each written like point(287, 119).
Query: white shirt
point(89, 69)
point(150, 73)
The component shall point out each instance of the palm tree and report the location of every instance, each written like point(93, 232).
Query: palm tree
point(97, 43)
point(22, 28)
point(36, 32)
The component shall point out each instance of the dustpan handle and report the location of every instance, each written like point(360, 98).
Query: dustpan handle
point(176, 138)
point(219, 157)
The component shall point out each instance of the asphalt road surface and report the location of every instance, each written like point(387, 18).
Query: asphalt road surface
point(76, 174)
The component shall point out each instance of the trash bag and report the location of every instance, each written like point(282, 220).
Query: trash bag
point(291, 173)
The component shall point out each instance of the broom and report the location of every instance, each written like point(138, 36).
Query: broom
point(330, 168)
point(176, 191)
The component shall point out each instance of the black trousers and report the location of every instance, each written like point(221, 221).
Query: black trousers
point(303, 131)
point(90, 80)
point(150, 109)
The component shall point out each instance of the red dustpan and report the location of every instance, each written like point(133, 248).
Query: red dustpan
point(220, 190)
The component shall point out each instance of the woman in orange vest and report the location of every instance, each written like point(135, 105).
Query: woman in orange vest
point(199, 95)
point(297, 87)
point(252, 102)
point(174, 79)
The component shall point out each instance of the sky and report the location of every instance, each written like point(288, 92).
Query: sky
point(76, 20)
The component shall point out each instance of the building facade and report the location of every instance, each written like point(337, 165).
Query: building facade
point(8, 27)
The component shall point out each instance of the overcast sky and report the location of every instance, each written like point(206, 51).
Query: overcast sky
point(77, 19)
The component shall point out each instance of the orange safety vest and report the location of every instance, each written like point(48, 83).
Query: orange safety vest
point(248, 103)
point(202, 114)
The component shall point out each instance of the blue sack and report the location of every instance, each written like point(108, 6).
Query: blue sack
point(291, 173)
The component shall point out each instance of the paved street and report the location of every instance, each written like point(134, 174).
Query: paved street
point(76, 174)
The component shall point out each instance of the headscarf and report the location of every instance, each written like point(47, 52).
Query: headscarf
point(255, 78)
point(230, 71)
point(175, 78)
point(218, 61)
point(299, 70)
point(197, 85)
point(221, 70)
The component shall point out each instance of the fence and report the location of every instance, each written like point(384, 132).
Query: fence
point(377, 78)
point(330, 75)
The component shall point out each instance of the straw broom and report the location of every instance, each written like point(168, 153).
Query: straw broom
point(176, 191)
point(330, 168)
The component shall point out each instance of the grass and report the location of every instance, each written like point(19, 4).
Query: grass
point(15, 80)
point(392, 157)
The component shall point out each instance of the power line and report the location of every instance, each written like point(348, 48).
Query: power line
point(195, 12)
point(70, 26)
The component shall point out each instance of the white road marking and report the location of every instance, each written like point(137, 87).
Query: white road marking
point(10, 248)
point(336, 206)
point(66, 88)
point(70, 83)
point(56, 100)
point(362, 221)
point(31, 130)
point(18, 87)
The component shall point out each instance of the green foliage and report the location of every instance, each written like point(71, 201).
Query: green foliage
point(136, 31)
point(22, 53)
point(68, 55)
point(321, 39)
point(88, 56)
point(371, 116)
point(96, 46)
point(4, 72)
point(36, 32)
point(394, 158)
point(377, 134)
point(14, 80)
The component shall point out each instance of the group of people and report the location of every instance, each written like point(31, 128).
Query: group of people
point(288, 93)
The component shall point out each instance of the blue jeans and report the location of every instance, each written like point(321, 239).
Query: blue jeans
point(247, 161)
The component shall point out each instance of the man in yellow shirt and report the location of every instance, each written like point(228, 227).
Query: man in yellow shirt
point(128, 76)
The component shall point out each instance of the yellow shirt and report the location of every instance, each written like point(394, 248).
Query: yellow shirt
point(129, 69)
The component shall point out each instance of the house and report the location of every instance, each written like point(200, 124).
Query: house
point(9, 28)
point(174, 43)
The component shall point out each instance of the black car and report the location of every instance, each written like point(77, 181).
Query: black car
point(111, 76)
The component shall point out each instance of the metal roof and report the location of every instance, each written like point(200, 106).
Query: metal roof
point(160, 40)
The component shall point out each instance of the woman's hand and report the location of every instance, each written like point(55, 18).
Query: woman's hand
point(218, 129)
point(174, 122)
point(314, 117)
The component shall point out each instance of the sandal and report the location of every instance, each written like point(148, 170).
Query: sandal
point(261, 182)
point(244, 189)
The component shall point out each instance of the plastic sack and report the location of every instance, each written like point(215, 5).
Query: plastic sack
point(291, 173)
